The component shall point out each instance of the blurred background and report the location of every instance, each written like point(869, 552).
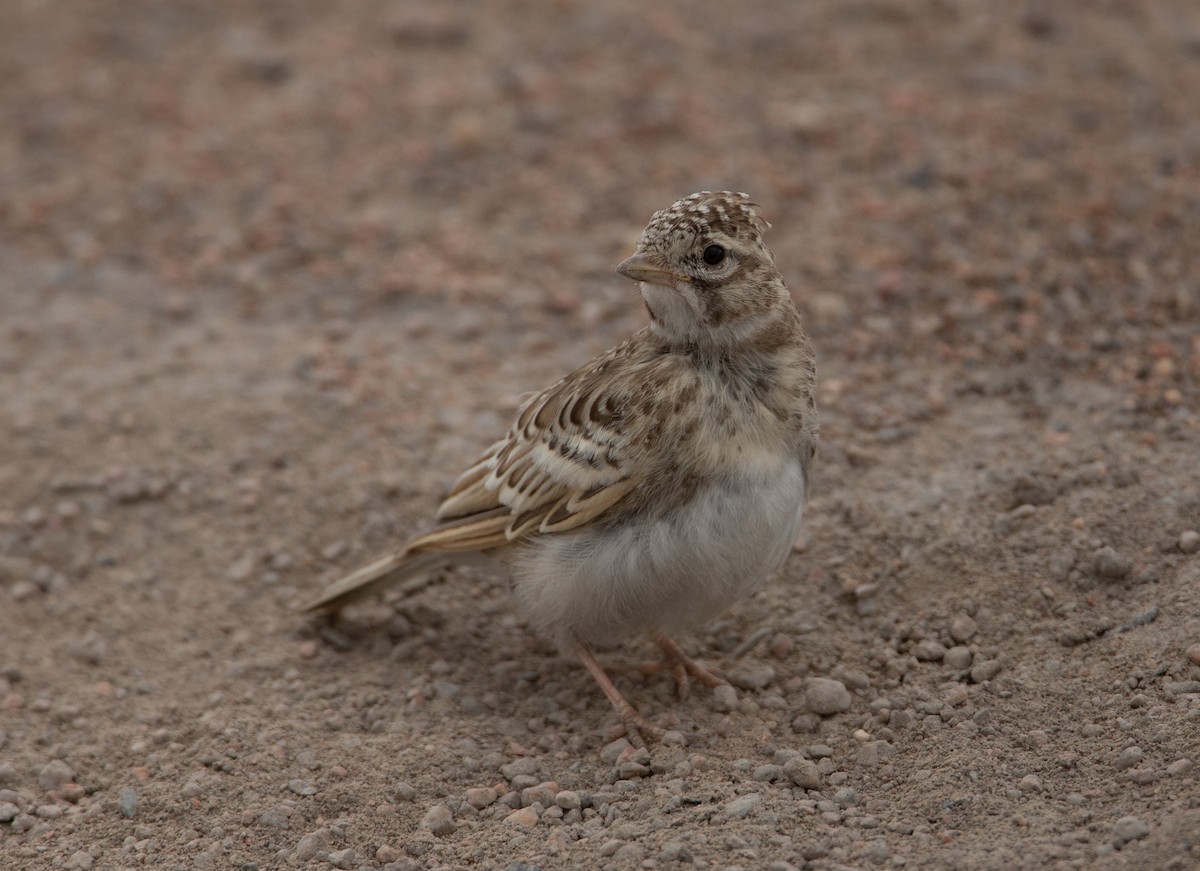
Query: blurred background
point(961, 169)
point(271, 273)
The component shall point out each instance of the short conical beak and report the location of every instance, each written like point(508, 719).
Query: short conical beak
point(639, 267)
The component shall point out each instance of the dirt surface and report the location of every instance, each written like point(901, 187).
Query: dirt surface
point(272, 273)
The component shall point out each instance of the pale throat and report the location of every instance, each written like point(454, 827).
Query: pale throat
point(677, 316)
point(674, 314)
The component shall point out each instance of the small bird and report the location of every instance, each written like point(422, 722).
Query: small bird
point(658, 484)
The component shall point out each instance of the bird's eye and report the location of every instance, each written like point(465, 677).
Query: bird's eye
point(714, 254)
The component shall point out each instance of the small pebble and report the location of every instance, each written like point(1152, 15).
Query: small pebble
point(1110, 564)
point(610, 752)
point(403, 791)
point(963, 628)
point(826, 696)
point(874, 753)
point(79, 861)
point(301, 787)
point(956, 695)
point(985, 670)
point(54, 774)
point(524, 766)
point(631, 770)
point(439, 820)
point(278, 816)
point(1128, 758)
point(542, 794)
point(480, 797)
point(752, 676)
point(803, 772)
point(568, 800)
point(742, 807)
point(958, 658)
point(344, 859)
point(1193, 653)
point(675, 851)
point(8, 812)
point(526, 817)
point(1182, 687)
point(767, 773)
point(1189, 541)
point(1128, 829)
point(387, 854)
point(929, 651)
point(1179, 766)
point(311, 844)
point(725, 698)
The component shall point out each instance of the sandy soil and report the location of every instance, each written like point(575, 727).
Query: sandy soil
point(271, 273)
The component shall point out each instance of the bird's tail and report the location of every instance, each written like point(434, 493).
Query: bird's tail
point(389, 571)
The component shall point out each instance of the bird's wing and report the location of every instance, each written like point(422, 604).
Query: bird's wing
point(567, 459)
point(575, 451)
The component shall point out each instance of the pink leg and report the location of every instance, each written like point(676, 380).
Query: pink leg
point(635, 725)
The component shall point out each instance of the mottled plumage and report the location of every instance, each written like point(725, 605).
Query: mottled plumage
point(654, 486)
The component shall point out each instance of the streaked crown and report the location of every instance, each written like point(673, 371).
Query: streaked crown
point(706, 214)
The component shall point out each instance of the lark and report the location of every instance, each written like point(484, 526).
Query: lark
point(660, 483)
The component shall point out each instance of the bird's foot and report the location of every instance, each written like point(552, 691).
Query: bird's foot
point(681, 666)
point(637, 728)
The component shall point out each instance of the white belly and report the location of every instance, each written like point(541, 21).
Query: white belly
point(672, 574)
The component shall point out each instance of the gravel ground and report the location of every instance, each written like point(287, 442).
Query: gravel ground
point(272, 273)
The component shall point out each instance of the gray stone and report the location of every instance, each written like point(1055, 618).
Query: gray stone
point(767, 773)
point(55, 774)
point(958, 658)
point(568, 800)
point(1110, 564)
point(752, 675)
point(963, 628)
point(1129, 757)
point(8, 774)
point(1128, 829)
point(724, 698)
point(984, 670)
point(742, 807)
point(803, 772)
point(525, 765)
point(312, 844)
point(675, 851)
point(826, 696)
point(929, 651)
point(439, 820)
point(127, 802)
point(277, 816)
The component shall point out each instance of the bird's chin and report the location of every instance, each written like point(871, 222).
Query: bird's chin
point(669, 305)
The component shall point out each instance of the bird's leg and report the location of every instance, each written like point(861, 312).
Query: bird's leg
point(635, 725)
point(681, 667)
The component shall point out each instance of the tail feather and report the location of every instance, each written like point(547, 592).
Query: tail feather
point(371, 578)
